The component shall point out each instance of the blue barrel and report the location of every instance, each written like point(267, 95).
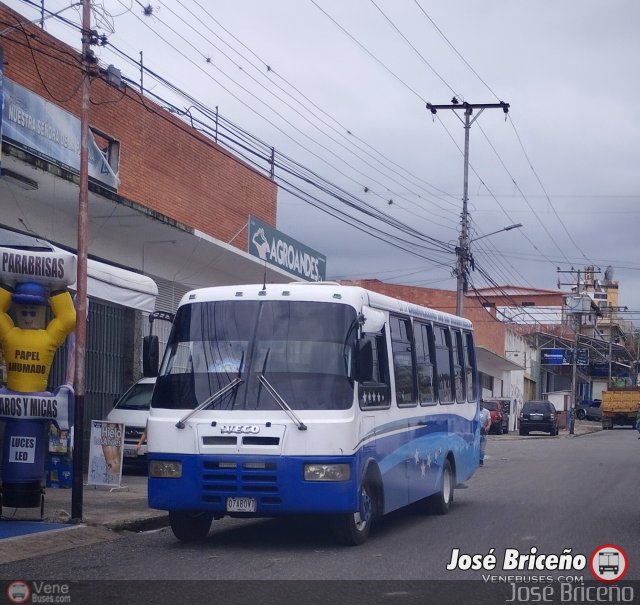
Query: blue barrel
point(23, 462)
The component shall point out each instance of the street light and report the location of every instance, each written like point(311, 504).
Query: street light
point(463, 259)
point(514, 226)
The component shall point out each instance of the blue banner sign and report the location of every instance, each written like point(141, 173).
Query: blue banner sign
point(563, 357)
point(50, 132)
point(582, 357)
point(555, 357)
point(276, 248)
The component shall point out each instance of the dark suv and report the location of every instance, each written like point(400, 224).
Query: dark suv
point(539, 416)
point(499, 420)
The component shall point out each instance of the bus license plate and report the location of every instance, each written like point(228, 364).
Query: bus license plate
point(130, 453)
point(241, 505)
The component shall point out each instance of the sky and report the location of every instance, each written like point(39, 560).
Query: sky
point(340, 88)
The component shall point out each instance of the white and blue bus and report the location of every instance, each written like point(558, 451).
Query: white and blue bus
point(317, 399)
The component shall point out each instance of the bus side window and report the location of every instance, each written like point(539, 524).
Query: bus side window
point(443, 364)
point(402, 360)
point(424, 365)
point(458, 366)
point(376, 393)
point(470, 367)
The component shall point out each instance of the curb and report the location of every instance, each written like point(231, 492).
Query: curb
point(137, 525)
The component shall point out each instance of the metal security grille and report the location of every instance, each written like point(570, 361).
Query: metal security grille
point(109, 358)
point(169, 296)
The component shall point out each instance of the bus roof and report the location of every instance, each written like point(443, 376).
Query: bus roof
point(355, 296)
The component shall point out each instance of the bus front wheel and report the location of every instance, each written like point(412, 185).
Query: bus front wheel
point(353, 528)
point(190, 526)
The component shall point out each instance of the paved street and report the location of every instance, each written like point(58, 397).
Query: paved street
point(543, 492)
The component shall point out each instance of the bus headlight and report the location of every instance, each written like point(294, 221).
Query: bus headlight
point(167, 469)
point(327, 472)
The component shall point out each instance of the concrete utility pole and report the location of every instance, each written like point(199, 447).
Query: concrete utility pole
point(574, 372)
point(577, 327)
point(81, 282)
point(462, 251)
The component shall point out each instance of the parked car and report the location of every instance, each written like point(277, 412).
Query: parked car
point(504, 405)
point(539, 416)
point(132, 409)
point(589, 410)
point(499, 420)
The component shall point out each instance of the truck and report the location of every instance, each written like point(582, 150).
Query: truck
point(620, 406)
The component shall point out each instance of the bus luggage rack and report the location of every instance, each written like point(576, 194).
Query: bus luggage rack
point(250, 478)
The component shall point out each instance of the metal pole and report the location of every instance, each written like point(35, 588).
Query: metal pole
point(610, 348)
point(574, 370)
point(462, 251)
point(463, 248)
point(81, 283)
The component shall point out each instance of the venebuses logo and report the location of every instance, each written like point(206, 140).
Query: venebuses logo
point(18, 591)
point(608, 563)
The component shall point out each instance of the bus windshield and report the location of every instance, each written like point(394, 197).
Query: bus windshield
point(303, 349)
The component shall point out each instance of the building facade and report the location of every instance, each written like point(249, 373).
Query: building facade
point(168, 207)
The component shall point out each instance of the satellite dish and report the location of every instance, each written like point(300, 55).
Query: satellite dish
point(608, 274)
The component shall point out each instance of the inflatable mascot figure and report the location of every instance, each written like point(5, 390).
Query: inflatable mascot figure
point(29, 347)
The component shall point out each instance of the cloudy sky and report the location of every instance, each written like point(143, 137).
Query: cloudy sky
point(339, 87)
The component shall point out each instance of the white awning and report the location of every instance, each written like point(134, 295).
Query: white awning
point(106, 282)
point(120, 286)
point(492, 361)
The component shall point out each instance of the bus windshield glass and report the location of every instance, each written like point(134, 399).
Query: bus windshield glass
point(302, 348)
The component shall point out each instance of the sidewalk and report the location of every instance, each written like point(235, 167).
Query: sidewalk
point(580, 427)
point(126, 507)
point(119, 508)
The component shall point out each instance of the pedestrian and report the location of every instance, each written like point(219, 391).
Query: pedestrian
point(143, 437)
point(485, 424)
point(638, 421)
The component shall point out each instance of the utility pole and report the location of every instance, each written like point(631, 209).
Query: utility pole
point(574, 371)
point(81, 281)
point(462, 251)
point(577, 326)
point(610, 312)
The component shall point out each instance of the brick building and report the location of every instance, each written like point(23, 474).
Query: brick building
point(168, 209)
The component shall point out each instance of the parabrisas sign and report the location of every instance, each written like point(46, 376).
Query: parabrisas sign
point(276, 248)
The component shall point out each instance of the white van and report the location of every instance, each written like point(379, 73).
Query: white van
point(132, 409)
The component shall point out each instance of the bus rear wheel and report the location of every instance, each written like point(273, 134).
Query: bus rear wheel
point(353, 529)
point(190, 526)
point(440, 502)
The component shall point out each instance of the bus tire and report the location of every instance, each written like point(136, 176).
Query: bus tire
point(190, 526)
point(352, 529)
point(440, 502)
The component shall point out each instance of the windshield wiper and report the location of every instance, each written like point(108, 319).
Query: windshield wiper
point(223, 391)
point(281, 402)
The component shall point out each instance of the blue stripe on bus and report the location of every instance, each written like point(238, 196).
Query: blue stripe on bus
point(409, 453)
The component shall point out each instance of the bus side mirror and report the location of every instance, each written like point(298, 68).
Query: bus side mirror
point(150, 356)
point(364, 361)
point(373, 320)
